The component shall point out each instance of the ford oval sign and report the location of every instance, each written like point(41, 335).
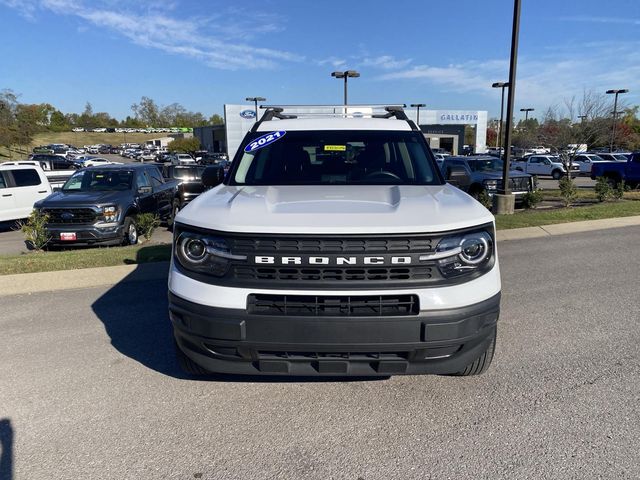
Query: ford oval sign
point(248, 114)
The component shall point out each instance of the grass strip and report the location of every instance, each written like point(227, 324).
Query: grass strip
point(83, 258)
point(534, 218)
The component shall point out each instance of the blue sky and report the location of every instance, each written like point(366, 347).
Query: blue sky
point(203, 54)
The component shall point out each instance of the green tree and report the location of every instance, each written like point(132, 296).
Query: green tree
point(147, 111)
point(58, 122)
point(184, 145)
point(216, 119)
point(8, 105)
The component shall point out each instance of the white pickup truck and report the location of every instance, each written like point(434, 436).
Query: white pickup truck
point(544, 165)
point(21, 185)
point(334, 246)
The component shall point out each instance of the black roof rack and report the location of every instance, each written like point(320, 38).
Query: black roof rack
point(269, 114)
point(273, 111)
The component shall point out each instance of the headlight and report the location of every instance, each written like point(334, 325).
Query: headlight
point(491, 184)
point(110, 213)
point(465, 253)
point(204, 253)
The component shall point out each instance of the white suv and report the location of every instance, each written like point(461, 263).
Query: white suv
point(334, 247)
point(21, 185)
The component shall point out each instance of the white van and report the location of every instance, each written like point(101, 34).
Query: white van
point(21, 185)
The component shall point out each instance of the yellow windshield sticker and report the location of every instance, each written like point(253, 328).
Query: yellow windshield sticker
point(335, 148)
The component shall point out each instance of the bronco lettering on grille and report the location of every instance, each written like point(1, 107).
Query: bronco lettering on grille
point(315, 260)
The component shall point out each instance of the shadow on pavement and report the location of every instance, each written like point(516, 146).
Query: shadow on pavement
point(6, 449)
point(135, 316)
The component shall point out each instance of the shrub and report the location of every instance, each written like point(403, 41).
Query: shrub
point(568, 190)
point(35, 230)
point(603, 189)
point(147, 223)
point(484, 198)
point(618, 192)
point(532, 199)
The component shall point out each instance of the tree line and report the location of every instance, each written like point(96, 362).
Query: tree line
point(20, 121)
point(585, 120)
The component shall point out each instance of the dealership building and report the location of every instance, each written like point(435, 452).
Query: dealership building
point(441, 128)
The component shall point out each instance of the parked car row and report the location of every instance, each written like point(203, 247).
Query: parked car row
point(97, 205)
point(133, 130)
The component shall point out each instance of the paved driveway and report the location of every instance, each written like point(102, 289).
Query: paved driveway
point(89, 389)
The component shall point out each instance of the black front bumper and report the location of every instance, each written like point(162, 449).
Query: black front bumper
point(86, 235)
point(233, 341)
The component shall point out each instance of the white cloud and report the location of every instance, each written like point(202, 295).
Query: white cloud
point(154, 25)
point(607, 20)
point(385, 62)
point(541, 81)
point(335, 62)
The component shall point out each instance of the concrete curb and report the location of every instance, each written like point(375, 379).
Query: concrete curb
point(27, 283)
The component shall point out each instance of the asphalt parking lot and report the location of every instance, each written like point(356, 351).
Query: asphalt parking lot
point(89, 389)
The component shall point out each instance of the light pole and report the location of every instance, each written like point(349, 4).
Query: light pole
point(501, 85)
point(255, 101)
point(505, 202)
point(582, 118)
point(346, 74)
point(615, 114)
point(526, 113)
point(418, 106)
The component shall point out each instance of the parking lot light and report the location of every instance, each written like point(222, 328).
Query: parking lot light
point(255, 101)
point(526, 113)
point(501, 85)
point(615, 113)
point(418, 106)
point(346, 74)
point(505, 191)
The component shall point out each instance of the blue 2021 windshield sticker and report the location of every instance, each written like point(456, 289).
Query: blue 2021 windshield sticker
point(264, 140)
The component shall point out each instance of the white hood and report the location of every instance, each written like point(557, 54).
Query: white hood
point(339, 209)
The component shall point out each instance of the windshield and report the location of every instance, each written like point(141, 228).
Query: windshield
point(99, 180)
point(336, 158)
point(486, 165)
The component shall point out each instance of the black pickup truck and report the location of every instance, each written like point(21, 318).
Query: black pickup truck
point(98, 205)
point(189, 178)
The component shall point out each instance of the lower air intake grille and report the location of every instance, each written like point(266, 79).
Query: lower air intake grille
point(333, 306)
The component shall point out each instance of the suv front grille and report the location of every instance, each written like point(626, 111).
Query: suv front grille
point(333, 274)
point(263, 267)
point(333, 306)
point(66, 216)
point(330, 245)
point(519, 184)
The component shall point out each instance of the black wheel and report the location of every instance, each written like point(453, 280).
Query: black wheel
point(480, 364)
point(188, 365)
point(175, 208)
point(130, 235)
point(556, 174)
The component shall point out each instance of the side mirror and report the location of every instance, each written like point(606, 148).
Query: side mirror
point(144, 190)
point(458, 176)
point(212, 176)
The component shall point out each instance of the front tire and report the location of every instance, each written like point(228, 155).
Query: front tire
point(175, 208)
point(556, 174)
point(482, 363)
point(130, 232)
